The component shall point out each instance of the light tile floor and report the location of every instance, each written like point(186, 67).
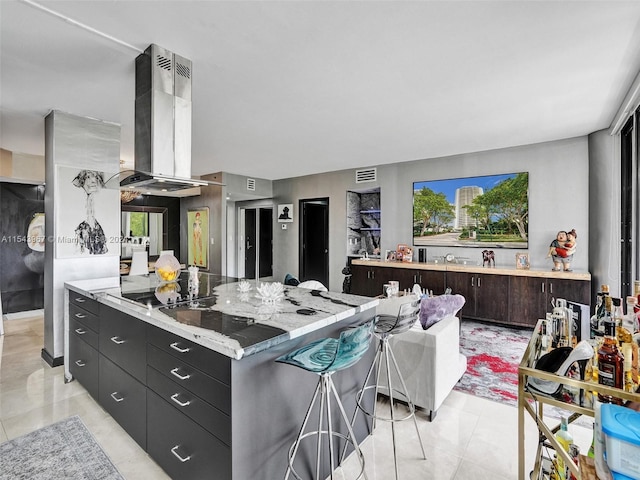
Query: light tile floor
point(470, 439)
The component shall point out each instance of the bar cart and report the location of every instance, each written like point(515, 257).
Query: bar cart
point(546, 432)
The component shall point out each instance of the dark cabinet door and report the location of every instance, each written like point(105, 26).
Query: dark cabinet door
point(359, 280)
point(578, 291)
point(125, 399)
point(460, 283)
point(492, 297)
point(182, 447)
point(368, 281)
point(528, 300)
point(123, 339)
point(431, 280)
point(83, 364)
point(406, 278)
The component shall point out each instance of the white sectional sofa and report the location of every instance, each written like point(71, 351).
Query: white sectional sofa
point(430, 360)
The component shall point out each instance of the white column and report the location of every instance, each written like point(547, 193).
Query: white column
point(73, 145)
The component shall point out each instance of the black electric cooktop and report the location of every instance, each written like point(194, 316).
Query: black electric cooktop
point(147, 291)
point(242, 329)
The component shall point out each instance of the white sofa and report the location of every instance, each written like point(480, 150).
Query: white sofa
point(430, 360)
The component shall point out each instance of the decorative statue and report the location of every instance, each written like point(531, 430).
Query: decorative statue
point(488, 258)
point(562, 250)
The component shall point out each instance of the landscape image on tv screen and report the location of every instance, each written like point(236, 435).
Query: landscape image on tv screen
point(490, 211)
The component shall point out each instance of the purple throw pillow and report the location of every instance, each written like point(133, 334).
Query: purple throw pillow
point(434, 309)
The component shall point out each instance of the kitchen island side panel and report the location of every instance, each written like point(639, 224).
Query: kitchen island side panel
point(269, 401)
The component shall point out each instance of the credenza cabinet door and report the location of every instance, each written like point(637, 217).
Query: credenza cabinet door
point(368, 281)
point(492, 297)
point(528, 300)
point(460, 283)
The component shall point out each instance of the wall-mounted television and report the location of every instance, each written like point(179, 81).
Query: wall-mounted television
point(490, 211)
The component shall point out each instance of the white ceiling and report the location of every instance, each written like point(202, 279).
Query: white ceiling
point(283, 89)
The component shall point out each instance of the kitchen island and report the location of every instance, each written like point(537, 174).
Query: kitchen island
point(188, 368)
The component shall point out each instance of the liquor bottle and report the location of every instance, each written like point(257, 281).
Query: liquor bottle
point(630, 321)
point(616, 311)
point(565, 440)
point(595, 318)
point(610, 364)
point(628, 379)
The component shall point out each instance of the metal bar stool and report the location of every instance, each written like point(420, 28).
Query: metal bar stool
point(325, 357)
point(385, 327)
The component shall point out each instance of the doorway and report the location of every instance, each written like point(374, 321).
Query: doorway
point(314, 240)
point(256, 237)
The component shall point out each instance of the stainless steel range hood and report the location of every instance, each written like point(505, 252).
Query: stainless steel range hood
point(162, 126)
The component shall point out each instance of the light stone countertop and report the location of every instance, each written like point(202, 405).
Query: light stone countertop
point(224, 303)
point(458, 267)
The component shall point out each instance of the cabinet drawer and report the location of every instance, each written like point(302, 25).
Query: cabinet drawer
point(212, 363)
point(181, 447)
point(83, 333)
point(83, 365)
point(123, 341)
point(125, 399)
point(209, 389)
point(89, 319)
point(212, 419)
point(86, 303)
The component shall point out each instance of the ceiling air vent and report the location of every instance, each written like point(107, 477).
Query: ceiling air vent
point(251, 184)
point(367, 175)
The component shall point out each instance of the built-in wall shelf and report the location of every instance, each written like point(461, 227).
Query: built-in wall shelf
point(363, 223)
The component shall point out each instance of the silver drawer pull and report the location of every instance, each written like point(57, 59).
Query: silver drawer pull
point(116, 396)
point(80, 363)
point(177, 455)
point(176, 374)
point(80, 331)
point(80, 315)
point(80, 300)
point(178, 349)
point(174, 397)
point(117, 340)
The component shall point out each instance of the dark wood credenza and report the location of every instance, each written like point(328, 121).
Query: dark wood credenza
point(502, 295)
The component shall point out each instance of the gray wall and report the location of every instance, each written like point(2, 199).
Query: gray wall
point(558, 199)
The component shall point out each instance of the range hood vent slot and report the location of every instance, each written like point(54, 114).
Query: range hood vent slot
point(366, 175)
point(251, 184)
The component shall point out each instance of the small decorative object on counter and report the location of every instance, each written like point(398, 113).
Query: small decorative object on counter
point(244, 286)
point(167, 268)
point(561, 250)
point(522, 261)
point(488, 258)
point(270, 292)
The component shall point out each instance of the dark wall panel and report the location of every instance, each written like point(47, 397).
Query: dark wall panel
point(21, 262)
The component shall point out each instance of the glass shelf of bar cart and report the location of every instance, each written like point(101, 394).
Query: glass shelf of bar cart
point(533, 403)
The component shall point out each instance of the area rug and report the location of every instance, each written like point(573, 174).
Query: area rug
point(64, 450)
point(493, 354)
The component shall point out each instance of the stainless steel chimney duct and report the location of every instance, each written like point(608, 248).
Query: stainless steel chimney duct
point(163, 113)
